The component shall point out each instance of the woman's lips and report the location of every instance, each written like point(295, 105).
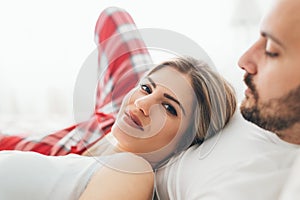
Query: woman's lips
point(133, 121)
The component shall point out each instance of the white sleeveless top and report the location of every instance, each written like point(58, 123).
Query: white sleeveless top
point(30, 176)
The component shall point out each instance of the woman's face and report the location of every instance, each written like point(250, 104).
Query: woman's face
point(155, 113)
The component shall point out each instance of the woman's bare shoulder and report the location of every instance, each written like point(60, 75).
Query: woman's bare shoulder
point(122, 176)
point(127, 162)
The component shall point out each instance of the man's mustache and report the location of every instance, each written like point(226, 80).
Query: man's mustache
point(248, 79)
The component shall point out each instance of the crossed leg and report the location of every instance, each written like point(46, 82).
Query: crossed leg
point(120, 50)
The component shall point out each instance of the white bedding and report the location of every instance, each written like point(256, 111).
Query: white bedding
point(33, 125)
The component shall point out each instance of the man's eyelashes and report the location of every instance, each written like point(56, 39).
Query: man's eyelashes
point(271, 54)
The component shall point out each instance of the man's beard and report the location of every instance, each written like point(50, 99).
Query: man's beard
point(277, 114)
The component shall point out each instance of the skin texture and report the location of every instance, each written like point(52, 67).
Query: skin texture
point(124, 176)
point(153, 103)
point(272, 73)
point(153, 116)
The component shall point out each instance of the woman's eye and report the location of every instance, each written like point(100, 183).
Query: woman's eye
point(271, 54)
point(146, 88)
point(170, 109)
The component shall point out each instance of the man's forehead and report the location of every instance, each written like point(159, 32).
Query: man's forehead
point(287, 10)
point(283, 20)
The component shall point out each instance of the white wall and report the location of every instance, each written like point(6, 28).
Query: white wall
point(44, 43)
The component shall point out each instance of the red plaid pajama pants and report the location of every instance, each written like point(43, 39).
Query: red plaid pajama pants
point(117, 54)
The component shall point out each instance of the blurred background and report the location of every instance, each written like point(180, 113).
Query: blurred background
point(43, 45)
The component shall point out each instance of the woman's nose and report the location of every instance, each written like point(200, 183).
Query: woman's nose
point(144, 104)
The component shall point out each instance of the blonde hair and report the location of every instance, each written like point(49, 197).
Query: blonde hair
point(215, 99)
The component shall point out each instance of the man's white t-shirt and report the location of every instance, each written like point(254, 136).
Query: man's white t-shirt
point(242, 162)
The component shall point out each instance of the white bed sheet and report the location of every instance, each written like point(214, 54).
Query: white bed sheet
point(33, 125)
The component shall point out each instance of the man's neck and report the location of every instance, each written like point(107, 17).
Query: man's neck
point(291, 135)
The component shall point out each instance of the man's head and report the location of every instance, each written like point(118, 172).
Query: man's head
point(272, 66)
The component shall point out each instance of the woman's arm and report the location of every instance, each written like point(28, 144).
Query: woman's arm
point(121, 178)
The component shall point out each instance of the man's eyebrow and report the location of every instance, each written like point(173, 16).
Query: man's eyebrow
point(266, 34)
point(152, 82)
point(175, 100)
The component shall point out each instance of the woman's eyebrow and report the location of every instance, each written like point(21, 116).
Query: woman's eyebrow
point(167, 95)
point(175, 100)
point(152, 82)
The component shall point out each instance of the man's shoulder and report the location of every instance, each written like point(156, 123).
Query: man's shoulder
point(238, 142)
point(247, 179)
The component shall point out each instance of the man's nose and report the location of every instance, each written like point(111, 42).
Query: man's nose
point(249, 60)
